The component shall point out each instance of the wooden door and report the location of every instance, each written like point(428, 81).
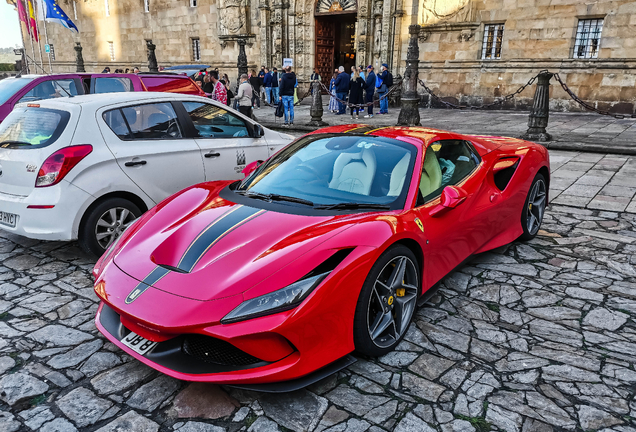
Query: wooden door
point(325, 45)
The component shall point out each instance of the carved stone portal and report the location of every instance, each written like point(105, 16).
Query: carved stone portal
point(232, 16)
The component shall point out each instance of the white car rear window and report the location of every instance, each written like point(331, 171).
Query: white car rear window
point(32, 127)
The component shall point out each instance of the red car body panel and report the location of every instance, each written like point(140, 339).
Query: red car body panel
point(269, 250)
point(140, 82)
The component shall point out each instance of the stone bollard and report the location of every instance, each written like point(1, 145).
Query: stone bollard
point(79, 60)
point(540, 113)
point(152, 58)
point(242, 58)
point(410, 113)
point(316, 110)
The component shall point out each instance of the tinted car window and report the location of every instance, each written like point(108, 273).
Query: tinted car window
point(32, 127)
point(151, 121)
point(51, 89)
point(10, 86)
point(211, 121)
point(112, 85)
point(170, 85)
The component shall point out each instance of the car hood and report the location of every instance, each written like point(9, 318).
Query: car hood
point(203, 247)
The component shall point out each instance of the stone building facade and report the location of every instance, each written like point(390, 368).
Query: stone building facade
point(471, 51)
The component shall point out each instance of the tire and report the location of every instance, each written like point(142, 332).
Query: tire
point(534, 208)
point(398, 306)
point(125, 212)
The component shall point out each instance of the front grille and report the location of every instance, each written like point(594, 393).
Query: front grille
point(211, 350)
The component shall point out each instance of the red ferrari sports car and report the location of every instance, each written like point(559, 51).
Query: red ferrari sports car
point(324, 249)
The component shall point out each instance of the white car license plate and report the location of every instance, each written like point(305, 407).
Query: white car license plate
point(138, 344)
point(8, 219)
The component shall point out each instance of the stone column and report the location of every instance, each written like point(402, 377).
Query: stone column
point(538, 120)
point(152, 59)
point(410, 113)
point(316, 110)
point(79, 60)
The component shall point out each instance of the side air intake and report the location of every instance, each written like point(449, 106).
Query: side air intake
point(503, 171)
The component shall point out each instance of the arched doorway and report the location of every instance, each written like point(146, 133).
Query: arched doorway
point(335, 36)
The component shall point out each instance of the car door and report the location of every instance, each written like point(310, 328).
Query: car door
point(452, 234)
point(149, 146)
point(226, 140)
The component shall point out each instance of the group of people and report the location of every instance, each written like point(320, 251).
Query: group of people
point(134, 70)
point(273, 86)
point(358, 88)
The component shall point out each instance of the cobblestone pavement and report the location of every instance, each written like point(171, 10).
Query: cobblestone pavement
point(570, 131)
point(532, 337)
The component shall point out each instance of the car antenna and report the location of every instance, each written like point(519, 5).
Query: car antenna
point(46, 73)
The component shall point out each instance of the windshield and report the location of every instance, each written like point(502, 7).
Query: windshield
point(328, 169)
point(32, 127)
point(10, 86)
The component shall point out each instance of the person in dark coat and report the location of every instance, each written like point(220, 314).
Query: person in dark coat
point(286, 87)
point(370, 90)
point(356, 90)
point(275, 90)
point(342, 88)
point(255, 81)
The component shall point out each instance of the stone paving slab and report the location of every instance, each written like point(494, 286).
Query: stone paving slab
point(531, 337)
point(589, 132)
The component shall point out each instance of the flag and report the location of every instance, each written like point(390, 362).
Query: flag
point(23, 16)
point(32, 23)
point(54, 13)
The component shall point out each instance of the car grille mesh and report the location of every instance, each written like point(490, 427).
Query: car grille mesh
point(211, 350)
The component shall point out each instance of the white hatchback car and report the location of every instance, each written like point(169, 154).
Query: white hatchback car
point(85, 167)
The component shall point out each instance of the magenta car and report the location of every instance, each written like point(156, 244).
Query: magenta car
point(29, 88)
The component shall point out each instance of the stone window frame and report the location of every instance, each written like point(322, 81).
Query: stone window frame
point(193, 3)
point(146, 6)
point(196, 48)
point(52, 52)
point(111, 50)
point(583, 39)
point(499, 31)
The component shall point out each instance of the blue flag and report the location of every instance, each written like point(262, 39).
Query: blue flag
point(53, 13)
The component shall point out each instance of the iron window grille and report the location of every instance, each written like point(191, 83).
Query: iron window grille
point(111, 50)
point(146, 6)
point(493, 37)
point(588, 38)
point(196, 49)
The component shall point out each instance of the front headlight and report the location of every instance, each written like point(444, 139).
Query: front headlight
point(277, 301)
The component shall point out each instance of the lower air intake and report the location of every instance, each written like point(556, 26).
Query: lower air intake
point(216, 351)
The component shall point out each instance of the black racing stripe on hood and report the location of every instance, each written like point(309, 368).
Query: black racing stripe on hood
point(218, 229)
point(152, 278)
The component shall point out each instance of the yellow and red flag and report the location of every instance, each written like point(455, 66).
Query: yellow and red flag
point(32, 23)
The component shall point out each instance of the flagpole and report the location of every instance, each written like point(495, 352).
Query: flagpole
point(37, 29)
point(30, 35)
point(46, 36)
point(24, 55)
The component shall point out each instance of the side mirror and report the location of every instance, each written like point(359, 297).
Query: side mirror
point(251, 167)
point(451, 197)
point(258, 131)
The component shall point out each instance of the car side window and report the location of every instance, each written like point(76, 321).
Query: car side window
point(51, 89)
point(111, 85)
point(211, 121)
point(446, 163)
point(144, 122)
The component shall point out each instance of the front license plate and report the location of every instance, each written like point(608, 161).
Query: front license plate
point(138, 344)
point(8, 219)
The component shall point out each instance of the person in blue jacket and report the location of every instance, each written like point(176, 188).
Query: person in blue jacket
point(342, 89)
point(369, 88)
point(383, 88)
point(267, 85)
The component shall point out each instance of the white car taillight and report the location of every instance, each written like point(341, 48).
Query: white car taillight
point(56, 166)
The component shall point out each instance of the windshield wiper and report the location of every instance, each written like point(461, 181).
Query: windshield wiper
point(275, 197)
point(23, 143)
point(352, 206)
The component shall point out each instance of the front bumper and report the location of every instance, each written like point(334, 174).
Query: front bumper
point(46, 223)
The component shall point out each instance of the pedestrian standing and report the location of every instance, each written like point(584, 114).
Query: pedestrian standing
point(384, 81)
point(287, 85)
point(369, 91)
point(228, 89)
point(220, 92)
point(106, 70)
point(261, 77)
point(267, 85)
point(333, 102)
point(342, 88)
point(207, 86)
point(136, 70)
point(361, 72)
point(255, 81)
point(315, 76)
point(356, 90)
point(275, 89)
point(244, 96)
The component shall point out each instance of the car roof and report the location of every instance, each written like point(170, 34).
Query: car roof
point(96, 101)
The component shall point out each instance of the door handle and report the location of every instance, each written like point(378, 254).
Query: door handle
point(212, 155)
point(135, 163)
